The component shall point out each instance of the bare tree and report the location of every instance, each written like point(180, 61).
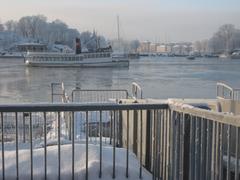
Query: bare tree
point(226, 39)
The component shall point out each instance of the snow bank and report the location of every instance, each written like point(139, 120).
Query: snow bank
point(66, 161)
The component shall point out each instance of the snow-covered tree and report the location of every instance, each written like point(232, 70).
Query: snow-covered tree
point(226, 39)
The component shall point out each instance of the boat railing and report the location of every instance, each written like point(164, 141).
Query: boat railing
point(224, 91)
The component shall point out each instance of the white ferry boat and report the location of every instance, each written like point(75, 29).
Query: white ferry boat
point(102, 58)
point(98, 59)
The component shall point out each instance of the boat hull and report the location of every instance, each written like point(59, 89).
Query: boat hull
point(122, 63)
point(65, 60)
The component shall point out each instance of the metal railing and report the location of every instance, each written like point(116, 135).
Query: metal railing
point(98, 95)
point(225, 91)
point(137, 91)
point(172, 141)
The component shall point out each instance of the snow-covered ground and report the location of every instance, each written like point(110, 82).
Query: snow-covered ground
point(66, 162)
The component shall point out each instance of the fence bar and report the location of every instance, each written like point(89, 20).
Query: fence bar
point(87, 126)
point(197, 148)
point(17, 153)
point(73, 145)
point(208, 153)
point(217, 151)
point(228, 151)
point(154, 145)
point(114, 143)
point(181, 152)
point(59, 145)
point(192, 148)
point(100, 134)
point(172, 138)
point(127, 152)
point(45, 145)
point(214, 149)
point(111, 126)
point(168, 115)
point(158, 145)
point(221, 152)
point(141, 143)
point(177, 144)
point(237, 155)
point(161, 143)
point(203, 149)
point(24, 129)
point(3, 149)
point(31, 146)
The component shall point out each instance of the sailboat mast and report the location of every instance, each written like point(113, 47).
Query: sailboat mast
point(118, 28)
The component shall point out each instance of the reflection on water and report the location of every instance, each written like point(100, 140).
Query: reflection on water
point(160, 78)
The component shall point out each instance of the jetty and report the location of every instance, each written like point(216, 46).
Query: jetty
point(117, 134)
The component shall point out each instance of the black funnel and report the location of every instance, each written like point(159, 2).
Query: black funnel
point(78, 46)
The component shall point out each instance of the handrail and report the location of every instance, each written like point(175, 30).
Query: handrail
point(99, 90)
point(60, 107)
point(136, 89)
point(222, 88)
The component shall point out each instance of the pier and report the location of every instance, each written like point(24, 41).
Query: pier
point(170, 139)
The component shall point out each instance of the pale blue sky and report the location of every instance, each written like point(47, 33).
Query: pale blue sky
point(155, 20)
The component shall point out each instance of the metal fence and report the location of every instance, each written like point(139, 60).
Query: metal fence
point(171, 141)
point(225, 91)
point(98, 95)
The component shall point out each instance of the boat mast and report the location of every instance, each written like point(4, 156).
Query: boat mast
point(118, 29)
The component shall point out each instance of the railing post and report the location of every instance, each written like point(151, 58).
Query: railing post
point(192, 148)
point(45, 146)
point(127, 151)
point(177, 145)
point(114, 143)
point(86, 130)
point(186, 146)
point(17, 153)
point(221, 152)
point(213, 157)
point(59, 145)
point(203, 149)
point(24, 128)
point(3, 148)
point(228, 151)
point(100, 134)
point(73, 145)
point(31, 147)
point(154, 145)
point(237, 154)
point(209, 150)
point(141, 144)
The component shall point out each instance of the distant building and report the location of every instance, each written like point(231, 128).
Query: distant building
point(144, 47)
point(32, 47)
point(161, 49)
point(153, 48)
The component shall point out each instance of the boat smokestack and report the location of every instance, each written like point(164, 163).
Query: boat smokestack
point(78, 46)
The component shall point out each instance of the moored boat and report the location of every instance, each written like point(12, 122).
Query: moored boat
point(235, 55)
point(191, 57)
